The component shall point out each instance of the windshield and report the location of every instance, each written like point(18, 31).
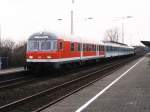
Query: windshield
point(33, 46)
point(42, 45)
point(46, 45)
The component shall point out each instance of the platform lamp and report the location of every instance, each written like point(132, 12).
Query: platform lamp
point(0, 36)
point(122, 24)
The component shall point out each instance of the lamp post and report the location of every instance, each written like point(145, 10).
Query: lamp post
point(0, 36)
point(122, 24)
point(72, 18)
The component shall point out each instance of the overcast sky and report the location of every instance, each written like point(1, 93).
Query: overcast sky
point(21, 18)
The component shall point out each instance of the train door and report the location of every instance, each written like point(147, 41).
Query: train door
point(60, 48)
point(97, 50)
point(81, 51)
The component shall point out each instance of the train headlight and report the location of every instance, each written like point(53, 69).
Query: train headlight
point(48, 57)
point(30, 57)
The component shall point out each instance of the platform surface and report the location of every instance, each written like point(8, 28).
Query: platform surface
point(11, 70)
point(130, 93)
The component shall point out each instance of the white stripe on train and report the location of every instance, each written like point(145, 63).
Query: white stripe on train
point(64, 59)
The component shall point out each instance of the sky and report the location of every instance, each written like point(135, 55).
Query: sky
point(20, 18)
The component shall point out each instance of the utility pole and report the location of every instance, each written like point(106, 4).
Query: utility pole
point(122, 32)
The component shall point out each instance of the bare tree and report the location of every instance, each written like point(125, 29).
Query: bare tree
point(6, 47)
point(18, 54)
point(112, 35)
point(14, 52)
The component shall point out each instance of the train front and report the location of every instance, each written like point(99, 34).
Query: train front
point(41, 51)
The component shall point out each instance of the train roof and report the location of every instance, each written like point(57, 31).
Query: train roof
point(74, 38)
point(116, 44)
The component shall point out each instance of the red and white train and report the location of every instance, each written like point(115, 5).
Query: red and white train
point(49, 49)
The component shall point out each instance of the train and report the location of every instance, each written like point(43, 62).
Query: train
point(52, 50)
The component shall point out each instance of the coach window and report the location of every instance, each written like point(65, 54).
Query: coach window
point(87, 47)
point(102, 48)
point(72, 46)
point(83, 47)
point(79, 47)
point(90, 47)
point(94, 47)
point(108, 48)
point(113, 49)
point(60, 46)
point(54, 45)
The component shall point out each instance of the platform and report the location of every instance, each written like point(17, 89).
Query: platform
point(125, 90)
point(11, 70)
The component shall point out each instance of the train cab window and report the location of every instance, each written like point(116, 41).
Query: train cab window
point(72, 47)
point(33, 46)
point(46, 45)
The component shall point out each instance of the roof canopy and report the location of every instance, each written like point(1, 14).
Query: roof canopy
point(147, 43)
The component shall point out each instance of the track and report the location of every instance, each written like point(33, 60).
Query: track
point(54, 94)
point(13, 82)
